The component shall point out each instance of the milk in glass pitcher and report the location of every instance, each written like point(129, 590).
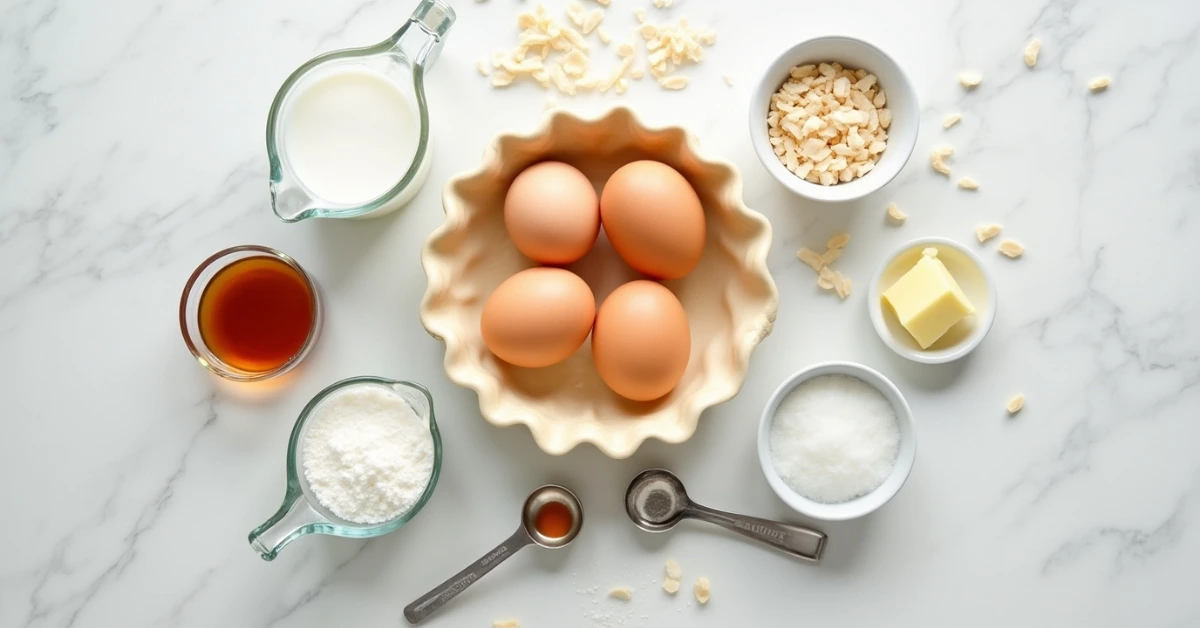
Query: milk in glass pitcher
point(348, 132)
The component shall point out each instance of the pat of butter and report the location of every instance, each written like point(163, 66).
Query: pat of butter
point(927, 300)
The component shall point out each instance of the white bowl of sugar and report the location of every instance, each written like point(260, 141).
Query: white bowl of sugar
point(836, 441)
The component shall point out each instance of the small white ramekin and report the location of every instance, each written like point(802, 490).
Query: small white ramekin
point(851, 53)
point(863, 504)
point(972, 276)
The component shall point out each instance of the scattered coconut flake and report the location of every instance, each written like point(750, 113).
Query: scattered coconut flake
point(576, 13)
point(967, 183)
point(621, 593)
point(895, 214)
point(951, 120)
point(592, 21)
point(640, 14)
point(827, 278)
point(838, 241)
point(1015, 404)
point(703, 590)
point(672, 569)
point(673, 82)
point(937, 158)
point(671, 46)
point(811, 257)
point(831, 256)
point(505, 623)
point(987, 232)
point(1031, 52)
point(557, 56)
point(484, 67)
point(671, 586)
point(728, 79)
point(842, 285)
point(970, 79)
point(1100, 83)
point(1011, 249)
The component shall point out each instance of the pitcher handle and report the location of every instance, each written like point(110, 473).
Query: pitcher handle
point(420, 39)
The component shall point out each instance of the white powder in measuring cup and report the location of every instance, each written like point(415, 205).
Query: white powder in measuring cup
point(367, 455)
point(834, 438)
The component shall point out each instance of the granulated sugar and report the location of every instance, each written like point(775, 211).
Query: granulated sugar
point(834, 438)
point(367, 455)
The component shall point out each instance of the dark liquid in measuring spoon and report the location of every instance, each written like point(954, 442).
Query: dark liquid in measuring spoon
point(554, 520)
point(256, 314)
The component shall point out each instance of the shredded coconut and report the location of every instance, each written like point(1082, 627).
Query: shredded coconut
point(367, 455)
point(834, 438)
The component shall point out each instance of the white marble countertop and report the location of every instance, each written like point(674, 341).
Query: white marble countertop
point(131, 147)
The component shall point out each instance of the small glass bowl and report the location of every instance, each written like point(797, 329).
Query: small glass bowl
point(189, 312)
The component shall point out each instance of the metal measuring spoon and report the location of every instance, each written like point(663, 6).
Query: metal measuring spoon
point(526, 534)
point(656, 501)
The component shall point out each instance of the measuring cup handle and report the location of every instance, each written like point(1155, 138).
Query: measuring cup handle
point(790, 539)
point(425, 605)
point(420, 39)
point(295, 518)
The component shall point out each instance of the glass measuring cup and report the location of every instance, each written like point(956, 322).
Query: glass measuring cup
point(301, 514)
point(403, 59)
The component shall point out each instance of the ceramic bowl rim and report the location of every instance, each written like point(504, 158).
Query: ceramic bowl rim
point(864, 504)
point(986, 318)
point(904, 142)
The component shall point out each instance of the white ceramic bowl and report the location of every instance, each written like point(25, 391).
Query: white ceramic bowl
point(972, 276)
point(730, 298)
point(851, 53)
point(863, 504)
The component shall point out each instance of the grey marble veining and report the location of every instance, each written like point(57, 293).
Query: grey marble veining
point(131, 148)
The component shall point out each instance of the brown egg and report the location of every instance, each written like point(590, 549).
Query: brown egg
point(654, 219)
point(641, 342)
point(551, 213)
point(538, 317)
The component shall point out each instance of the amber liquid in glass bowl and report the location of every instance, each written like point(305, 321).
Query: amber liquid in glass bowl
point(256, 313)
point(250, 313)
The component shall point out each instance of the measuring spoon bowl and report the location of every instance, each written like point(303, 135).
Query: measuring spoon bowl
point(539, 498)
point(526, 534)
point(656, 501)
point(302, 514)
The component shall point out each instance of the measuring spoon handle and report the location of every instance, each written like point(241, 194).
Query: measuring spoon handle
point(790, 539)
point(425, 605)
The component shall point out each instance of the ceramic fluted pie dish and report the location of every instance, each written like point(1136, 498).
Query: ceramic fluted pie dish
point(730, 298)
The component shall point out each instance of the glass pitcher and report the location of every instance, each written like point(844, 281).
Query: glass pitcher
point(403, 59)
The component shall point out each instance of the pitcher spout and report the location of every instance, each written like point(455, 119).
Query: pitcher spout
point(290, 201)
